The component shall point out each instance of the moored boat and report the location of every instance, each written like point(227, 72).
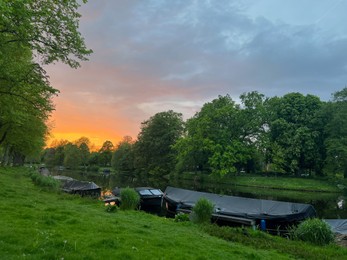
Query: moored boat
point(83, 188)
point(150, 198)
point(268, 214)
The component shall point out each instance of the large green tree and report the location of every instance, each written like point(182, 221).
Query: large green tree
point(295, 133)
point(105, 153)
point(47, 27)
point(215, 139)
point(72, 156)
point(336, 134)
point(123, 157)
point(43, 30)
point(154, 154)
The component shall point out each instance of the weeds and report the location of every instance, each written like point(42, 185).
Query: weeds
point(130, 199)
point(44, 181)
point(315, 231)
point(181, 217)
point(111, 208)
point(202, 211)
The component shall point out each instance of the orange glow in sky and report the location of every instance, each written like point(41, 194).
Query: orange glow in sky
point(142, 64)
point(69, 124)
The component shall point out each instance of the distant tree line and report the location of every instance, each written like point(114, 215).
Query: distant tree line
point(293, 135)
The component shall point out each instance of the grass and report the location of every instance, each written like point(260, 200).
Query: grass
point(40, 224)
point(282, 183)
point(263, 241)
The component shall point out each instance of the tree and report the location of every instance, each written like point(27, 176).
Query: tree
point(31, 30)
point(48, 28)
point(255, 130)
point(295, 133)
point(153, 149)
point(85, 153)
point(336, 134)
point(25, 100)
point(73, 156)
point(123, 157)
point(105, 153)
point(215, 139)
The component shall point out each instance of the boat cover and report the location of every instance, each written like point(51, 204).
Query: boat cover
point(62, 178)
point(75, 186)
point(337, 225)
point(256, 209)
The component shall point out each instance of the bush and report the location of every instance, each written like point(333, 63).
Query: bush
point(181, 217)
point(315, 231)
point(111, 208)
point(130, 199)
point(44, 181)
point(202, 211)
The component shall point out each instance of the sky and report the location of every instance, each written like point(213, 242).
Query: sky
point(152, 56)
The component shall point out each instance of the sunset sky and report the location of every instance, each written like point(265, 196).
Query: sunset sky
point(151, 56)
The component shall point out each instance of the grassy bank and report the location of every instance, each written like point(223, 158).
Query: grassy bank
point(282, 183)
point(40, 224)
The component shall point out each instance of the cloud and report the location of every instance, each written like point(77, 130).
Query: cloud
point(155, 55)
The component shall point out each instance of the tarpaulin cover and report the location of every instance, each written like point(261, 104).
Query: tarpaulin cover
point(338, 225)
point(62, 178)
point(242, 207)
point(76, 185)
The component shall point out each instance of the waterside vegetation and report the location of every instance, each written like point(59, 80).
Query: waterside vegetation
point(45, 224)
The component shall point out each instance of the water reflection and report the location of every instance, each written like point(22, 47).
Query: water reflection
point(327, 205)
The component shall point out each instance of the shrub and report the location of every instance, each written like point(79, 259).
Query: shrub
point(181, 217)
point(130, 199)
point(202, 211)
point(111, 208)
point(44, 181)
point(315, 231)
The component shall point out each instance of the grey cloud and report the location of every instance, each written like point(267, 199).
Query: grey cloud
point(214, 47)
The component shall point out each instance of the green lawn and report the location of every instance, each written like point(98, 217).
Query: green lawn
point(283, 183)
point(40, 224)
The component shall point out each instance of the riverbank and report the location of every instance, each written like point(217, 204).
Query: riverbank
point(41, 224)
point(256, 181)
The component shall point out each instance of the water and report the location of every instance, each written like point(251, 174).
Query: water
point(327, 205)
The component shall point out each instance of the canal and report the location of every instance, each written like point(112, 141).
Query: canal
point(327, 205)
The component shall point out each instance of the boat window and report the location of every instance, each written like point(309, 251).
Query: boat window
point(156, 192)
point(145, 192)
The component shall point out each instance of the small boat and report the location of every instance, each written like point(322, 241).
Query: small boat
point(83, 188)
point(232, 210)
point(338, 226)
point(150, 198)
point(62, 178)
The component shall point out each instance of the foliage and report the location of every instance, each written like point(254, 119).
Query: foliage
point(202, 211)
point(31, 31)
point(44, 181)
point(50, 28)
point(153, 149)
point(219, 138)
point(315, 231)
point(123, 156)
point(336, 130)
point(105, 153)
point(182, 217)
point(293, 135)
point(295, 132)
point(263, 241)
point(72, 156)
point(111, 208)
point(130, 199)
